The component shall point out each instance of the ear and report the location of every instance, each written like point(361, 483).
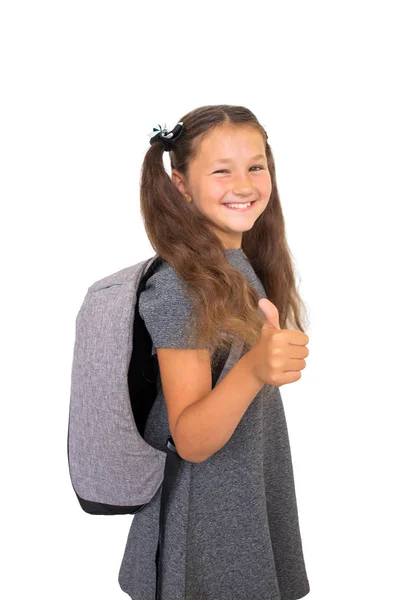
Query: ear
point(178, 179)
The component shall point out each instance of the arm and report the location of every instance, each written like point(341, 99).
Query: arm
point(207, 424)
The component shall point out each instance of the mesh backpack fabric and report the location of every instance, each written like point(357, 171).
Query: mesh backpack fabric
point(113, 470)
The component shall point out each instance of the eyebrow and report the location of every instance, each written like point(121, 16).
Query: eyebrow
point(227, 160)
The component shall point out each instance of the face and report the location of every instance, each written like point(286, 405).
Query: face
point(242, 177)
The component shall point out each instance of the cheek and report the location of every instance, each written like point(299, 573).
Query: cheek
point(214, 190)
point(265, 183)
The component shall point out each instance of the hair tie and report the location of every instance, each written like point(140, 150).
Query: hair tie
point(168, 138)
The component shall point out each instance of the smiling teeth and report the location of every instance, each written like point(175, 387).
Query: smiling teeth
point(239, 205)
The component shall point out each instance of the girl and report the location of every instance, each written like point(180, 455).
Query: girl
point(231, 528)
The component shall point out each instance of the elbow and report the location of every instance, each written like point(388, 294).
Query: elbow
point(196, 460)
point(185, 446)
point(189, 455)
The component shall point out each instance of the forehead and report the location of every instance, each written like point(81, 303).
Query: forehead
point(231, 143)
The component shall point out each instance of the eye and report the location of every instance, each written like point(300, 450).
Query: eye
point(253, 167)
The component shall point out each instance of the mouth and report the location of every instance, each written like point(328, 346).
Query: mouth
point(240, 206)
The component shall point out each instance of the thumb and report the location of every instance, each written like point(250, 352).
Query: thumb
point(271, 313)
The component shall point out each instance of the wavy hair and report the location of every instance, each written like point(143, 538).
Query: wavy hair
point(225, 304)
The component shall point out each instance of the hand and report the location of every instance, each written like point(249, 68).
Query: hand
point(278, 356)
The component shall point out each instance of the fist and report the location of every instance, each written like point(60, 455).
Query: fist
point(279, 355)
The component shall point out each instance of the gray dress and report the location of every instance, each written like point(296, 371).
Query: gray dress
point(232, 529)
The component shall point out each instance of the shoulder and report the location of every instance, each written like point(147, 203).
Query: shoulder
point(164, 285)
point(166, 308)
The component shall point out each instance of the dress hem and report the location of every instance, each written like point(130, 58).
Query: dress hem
point(303, 593)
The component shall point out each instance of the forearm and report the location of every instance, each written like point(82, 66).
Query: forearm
point(206, 425)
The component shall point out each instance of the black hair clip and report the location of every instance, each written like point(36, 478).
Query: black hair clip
point(168, 138)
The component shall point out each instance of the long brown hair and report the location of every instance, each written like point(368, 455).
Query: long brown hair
point(224, 303)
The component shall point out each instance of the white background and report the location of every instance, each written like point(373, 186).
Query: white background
point(82, 84)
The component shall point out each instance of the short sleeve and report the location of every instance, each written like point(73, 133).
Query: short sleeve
point(166, 310)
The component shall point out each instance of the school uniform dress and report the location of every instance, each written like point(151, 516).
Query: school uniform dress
point(231, 524)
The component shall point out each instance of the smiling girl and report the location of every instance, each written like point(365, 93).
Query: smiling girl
point(224, 295)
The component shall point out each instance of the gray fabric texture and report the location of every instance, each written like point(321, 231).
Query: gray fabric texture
point(109, 461)
point(232, 527)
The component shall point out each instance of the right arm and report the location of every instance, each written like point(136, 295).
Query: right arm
point(201, 419)
point(206, 425)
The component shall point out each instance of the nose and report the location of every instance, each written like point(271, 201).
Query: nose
point(242, 185)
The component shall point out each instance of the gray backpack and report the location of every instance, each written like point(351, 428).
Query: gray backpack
point(113, 470)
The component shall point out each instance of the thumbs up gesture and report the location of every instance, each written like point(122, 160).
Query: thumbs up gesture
point(278, 356)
